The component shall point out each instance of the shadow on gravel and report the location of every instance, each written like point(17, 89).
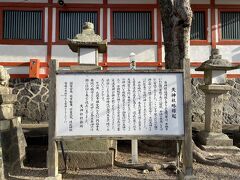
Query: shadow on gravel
point(96, 177)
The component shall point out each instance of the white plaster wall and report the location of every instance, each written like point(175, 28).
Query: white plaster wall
point(22, 70)
point(82, 1)
point(28, 1)
point(235, 71)
point(120, 53)
point(227, 2)
point(132, 1)
point(192, 71)
point(64, 54)
point(230, 52)
point(200, 1)
point(199, 53)
point(22, 53)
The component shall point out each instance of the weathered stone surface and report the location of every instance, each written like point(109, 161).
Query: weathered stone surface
point(86, 145)
point(13, 146)
point(214, 139)
point(5, 90)
point(226, 150)
point(4, 125)
point(86, 160)
point(8, 98)
point(231, 110)
point(6, 111)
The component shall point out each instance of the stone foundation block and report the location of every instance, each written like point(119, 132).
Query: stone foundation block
point(86, 159)
point(226, 150)
point(87, 145)
point(214, 139)
point(8, 98)
point(6, 111)
point(5, 90)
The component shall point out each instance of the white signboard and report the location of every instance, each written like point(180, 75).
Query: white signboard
point(119, 104)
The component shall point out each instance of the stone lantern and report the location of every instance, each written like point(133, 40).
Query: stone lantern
point(214, 88)
point(87, 45)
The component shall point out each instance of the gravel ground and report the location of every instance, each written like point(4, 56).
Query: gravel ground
point(116, 173)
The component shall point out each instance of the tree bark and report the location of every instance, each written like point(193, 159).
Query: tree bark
point(176, 19)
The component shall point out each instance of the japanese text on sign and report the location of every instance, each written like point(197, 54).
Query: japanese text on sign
point(119, 104)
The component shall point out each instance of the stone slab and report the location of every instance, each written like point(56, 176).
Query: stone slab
point(8, 98)
point(5, 90)
point(86, 160)
point(4, 125)
point(6, 111)
point(87, 145)
point(227, 150)
point(214, 139)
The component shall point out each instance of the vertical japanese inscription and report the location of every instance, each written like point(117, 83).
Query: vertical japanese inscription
point(117, 104)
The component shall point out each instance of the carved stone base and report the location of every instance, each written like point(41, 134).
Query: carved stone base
point(224, 150)
point(214, 139)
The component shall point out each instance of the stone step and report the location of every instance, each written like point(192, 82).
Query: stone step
point(227, 150)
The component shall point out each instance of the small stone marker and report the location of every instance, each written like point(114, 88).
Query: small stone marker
point(215, 87)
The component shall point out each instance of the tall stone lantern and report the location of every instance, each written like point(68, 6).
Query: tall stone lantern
point(214, 88)
point(87, 45)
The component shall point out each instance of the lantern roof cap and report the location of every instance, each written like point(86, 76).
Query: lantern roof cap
point(216, 62)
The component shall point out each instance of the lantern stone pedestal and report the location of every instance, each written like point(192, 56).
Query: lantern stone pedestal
point(215, 87)
point(212, 135)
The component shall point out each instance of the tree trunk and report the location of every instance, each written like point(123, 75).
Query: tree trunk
point(176, 19)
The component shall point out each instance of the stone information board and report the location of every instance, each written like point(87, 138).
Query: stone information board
point(119, 104)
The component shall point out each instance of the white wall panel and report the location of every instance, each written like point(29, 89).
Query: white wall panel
point(22, 53)
point(199, 53)
point(230, 52)
point(132, 1)
point(64, 53)
point(22, 70)
point(192, 71)
point(120, 53)
point(227, 2)
point(82, 1)
point(28, 1)
point(200, 1)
